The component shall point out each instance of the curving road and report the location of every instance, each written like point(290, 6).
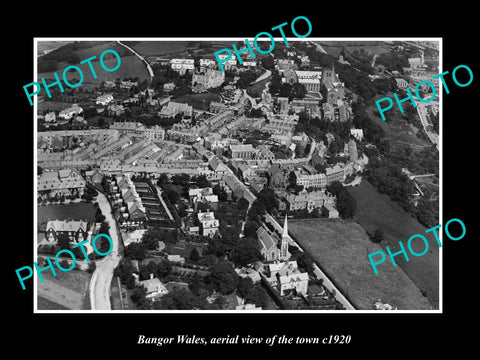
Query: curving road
point(103, 274)
point(149, 67)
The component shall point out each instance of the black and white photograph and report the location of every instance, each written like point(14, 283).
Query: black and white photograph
point(298, 182)
point(235, 180)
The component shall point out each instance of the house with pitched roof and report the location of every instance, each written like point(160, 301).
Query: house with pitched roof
point(63, 182)
point(287, 278)
point(76, 230)
point(209, 223)
point(272, 247)
point(154, 287)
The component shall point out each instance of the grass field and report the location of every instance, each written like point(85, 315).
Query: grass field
point(378, 211)
point(341, 249)
point(372, 47)
point(158, 48)
point(196, 100)
point(75, 211)
point(256, 89)
point(131, 66)
point(67, 290)
point(44, 304)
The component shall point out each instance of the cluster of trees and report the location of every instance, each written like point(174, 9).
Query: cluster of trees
point(165, 74)
point(318, 128)
point(304, 214)
point(377, 236)
point(394, 60)
point(303, 259)
point(373, 132)
point(278, 88)
point(346, 204)
point(150, 241)
point(246, 78)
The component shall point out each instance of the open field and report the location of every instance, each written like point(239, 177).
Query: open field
point(131, 66)
point(341, 249)
point(375, 210)
point(372, 47)
point(75, 211)
point(256, 89)
point(68, 290)
point(196, 100)
point(43, 46)
point(157, 48)
point(44, 304)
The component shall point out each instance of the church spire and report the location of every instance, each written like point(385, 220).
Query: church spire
point(285, 228)
point(284, 254)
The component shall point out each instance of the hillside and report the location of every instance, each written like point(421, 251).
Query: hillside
point(67, 55)
point(378, 211)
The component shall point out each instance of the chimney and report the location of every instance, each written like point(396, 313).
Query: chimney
point(151, 276)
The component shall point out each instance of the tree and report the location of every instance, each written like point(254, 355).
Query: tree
point(377, 236)
point(258, 296)
point(195, 284)
point(179, 299)
point(194, 255)
point(269, 199)
point(221, 193)
point(162, 180)
point(145, 270)
point(242, 204)
point(223, 277)
point(139, 296)
point(245, 287)
point(304, 262)
point(257, 211)
point(172, 196)
point(136, 251)
point(164, 268)
point(268, 62)
point(151, 238)
point(246, 252)
point(297, 91)
point(202, 181)
point(346, 205)
point(63, 241)
point(250, 228)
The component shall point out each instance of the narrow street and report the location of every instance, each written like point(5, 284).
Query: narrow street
point(103, 274)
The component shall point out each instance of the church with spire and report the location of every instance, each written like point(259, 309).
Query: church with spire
point(335, 88)
point(272, 246)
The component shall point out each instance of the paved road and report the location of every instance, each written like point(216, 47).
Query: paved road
point(318, 272)
point(102, 276)
point(149, 68)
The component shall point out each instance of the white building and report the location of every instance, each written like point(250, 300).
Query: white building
point(154, 286)
point(70, 112)
point(182, 65)
point(104, 99)
point(50, 117)
point(286, 277)
point(208, 222)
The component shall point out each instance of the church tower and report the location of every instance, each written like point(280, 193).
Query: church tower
point(284, 254)
point(328, 76)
